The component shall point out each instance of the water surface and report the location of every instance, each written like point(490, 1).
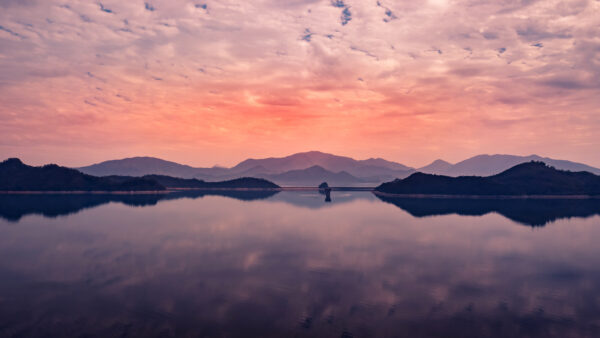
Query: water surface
point(290, 264)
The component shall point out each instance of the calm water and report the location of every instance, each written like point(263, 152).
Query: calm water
point(292, 265)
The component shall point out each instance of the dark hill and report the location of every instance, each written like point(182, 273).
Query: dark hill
point(239, 183)
point(17, 176)
point(532, 178)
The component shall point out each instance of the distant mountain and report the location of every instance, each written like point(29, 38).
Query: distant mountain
point(141, 166)
point(532, 178)
point(374, 170)
point(486, 165)
point(368, 172)
point(313, 176)
point(17, 176)
point(358, 168)
point(436, 167)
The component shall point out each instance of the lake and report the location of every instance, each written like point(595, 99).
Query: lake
point(289, 264)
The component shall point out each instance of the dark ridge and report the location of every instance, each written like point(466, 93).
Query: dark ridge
point(526, 179)
point(16, 176)
point(193, 183)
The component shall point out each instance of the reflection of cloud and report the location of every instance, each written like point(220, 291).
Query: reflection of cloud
point(195, 268)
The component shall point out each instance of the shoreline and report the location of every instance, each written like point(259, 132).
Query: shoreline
point(168, 190)
point(495, 197)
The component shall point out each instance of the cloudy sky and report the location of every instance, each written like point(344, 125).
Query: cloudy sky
point(216, 81)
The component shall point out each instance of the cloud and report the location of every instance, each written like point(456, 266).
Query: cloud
point(346, 16)
point(104, 9)
point(149, 7)
point(461, 61)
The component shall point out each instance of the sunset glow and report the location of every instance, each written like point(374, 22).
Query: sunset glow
point(214, 82)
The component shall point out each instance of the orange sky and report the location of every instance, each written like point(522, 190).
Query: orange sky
point(214, 82)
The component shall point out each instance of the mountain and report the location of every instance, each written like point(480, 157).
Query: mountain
point(17, 176)
point(532, 178)
point(374, 170)
point(371, 171)
point(333, 163)
point(313, 176)
point(436, 167)
point(141, 166)
point(239, 183)
point(486, 165)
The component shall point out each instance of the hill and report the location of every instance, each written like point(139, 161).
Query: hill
point(436, 167)
point(374, 170)
point(17, 176)
point(371, 171)
point(532, 178)
point(239, 183)
point(141, 166)
point(330, 162)
point(313, 176)
point(486, 165)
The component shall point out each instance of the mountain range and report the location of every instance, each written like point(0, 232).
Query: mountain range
point(17, 176)
point(487, 165)
point(525, 179)
point(312, 168)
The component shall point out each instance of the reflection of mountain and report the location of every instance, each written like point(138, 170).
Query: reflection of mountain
point(315, 200)
point(532, 212)
point(15, 206)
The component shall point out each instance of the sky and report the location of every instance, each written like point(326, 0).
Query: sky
point(214, 82)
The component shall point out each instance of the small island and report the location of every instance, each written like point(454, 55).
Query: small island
point(15, 176)
point(526, 179)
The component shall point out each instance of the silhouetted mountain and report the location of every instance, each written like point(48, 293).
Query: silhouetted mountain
point(15, 206)
point(16, 176)
point(371, 171)
point(532, 212)
point(436, 167)
point(141, 166)
point(486, 165)
point(243, 183)
point(316, 158)
point(312, 176)
point(532, 178)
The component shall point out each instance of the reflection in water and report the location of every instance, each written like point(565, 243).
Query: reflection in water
point(15, 206)
point(279, 267)
point(533, 212)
